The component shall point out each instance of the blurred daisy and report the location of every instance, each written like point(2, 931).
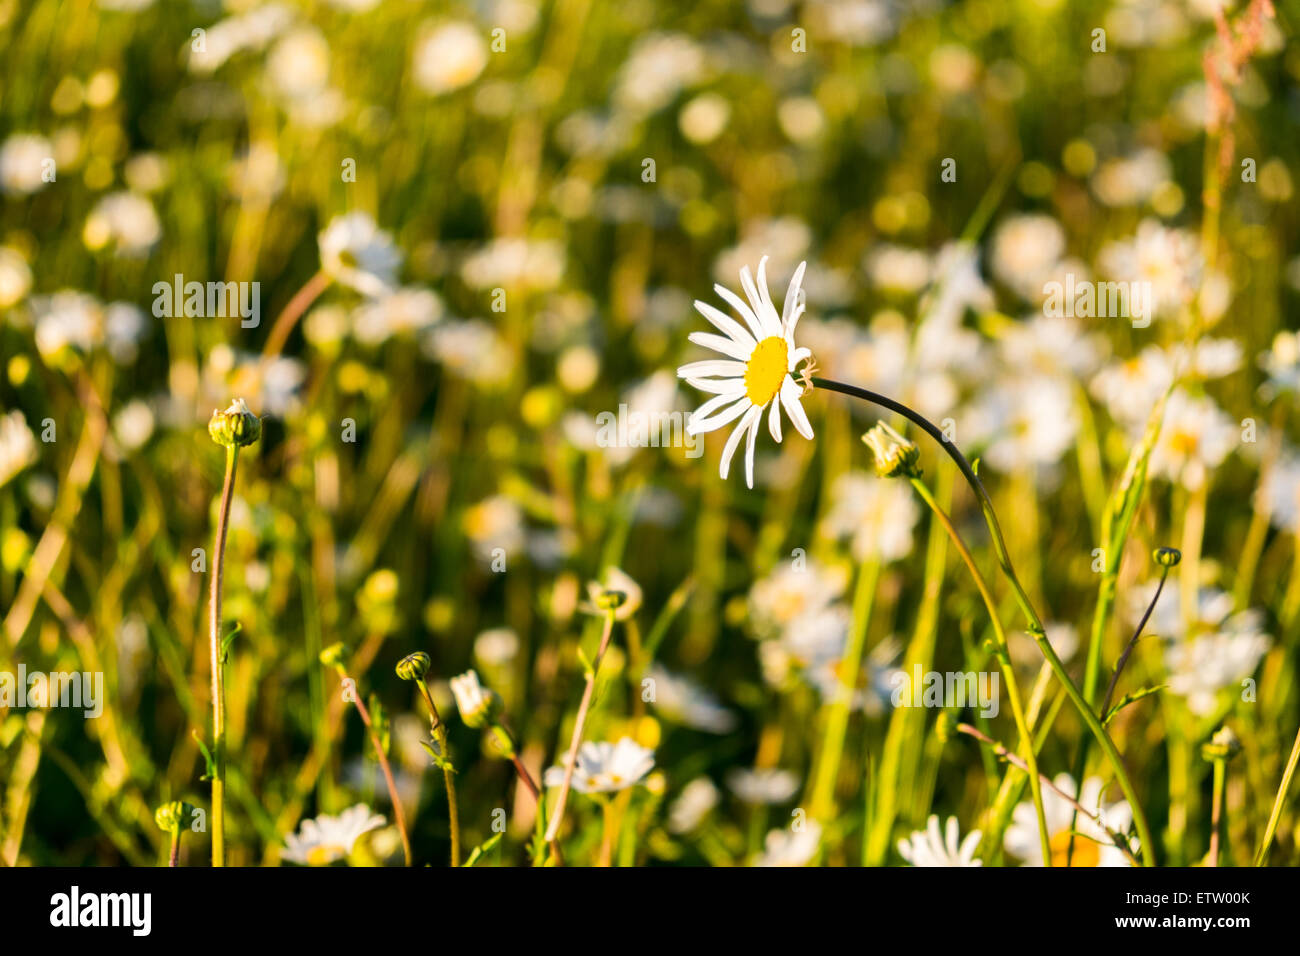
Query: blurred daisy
point(355, 252)
point(696, 801)
point(17, 445)
point(616, 579)
point(448, 57)
point(929, 847)
point(605, 768)
point(67, 319)
point(1201, 666)
point(23, 159)
point(1092, 845)
point(1130, 388)
point(328, 839)
point(757, 372)
point(1169, 260)
point(124, 220)
point(1195, 439)
point(403, 312)
point(790, 592)
point(685, 702)
point(791, 847)
point(1026, 252)
point(15, 277)
point(768, 785)
point(875, 515)
point(1025, 421)
point(1279, 490)
point(1281, 363)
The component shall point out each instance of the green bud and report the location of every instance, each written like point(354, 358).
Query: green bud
point(171, 816)
point(895, 455)
point(1167, 557)
point(1224, 745)
point(236, 427)
point(610, 600)
point(413, 666)
point(333, 655)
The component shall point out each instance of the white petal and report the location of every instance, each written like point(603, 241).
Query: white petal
point(749, 449)
point(743, 310)
point(725, 324)
point(796, 355)
point(733, 440)
point(712, 367)
point(718, 386)
point(793, 408)
point(789, 313)
point(774, 422)
point(720, 343)
point(763, 310)
point(700, 422)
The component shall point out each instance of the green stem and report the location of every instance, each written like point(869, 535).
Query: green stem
point(439, 731)
point(822, 802)
point(216, 665)
point(1036, 628)
point(1004, 660)
point(1278, 801)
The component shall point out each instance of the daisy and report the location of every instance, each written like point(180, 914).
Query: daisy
point(328, 839)
point(604, 767)
point(355, 252)
point(1092, 845)
point(696, 801)
point(930, 848)
point(477, 704)
point(790, 848)
point(685, 702)
point(768, 785)
point(757, 371)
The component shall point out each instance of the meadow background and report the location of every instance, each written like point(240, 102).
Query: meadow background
point(517, 178)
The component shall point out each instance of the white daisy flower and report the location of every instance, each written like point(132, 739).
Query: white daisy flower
point(929, 847)
point(685, 702)
point(604, 767)
point(767, 785)
point(17, 445)
point(757, 370)
point(791, 848)
point(1092, 845)
point(478, 705)
point(357, 253)
point(328, 839)
point(696, 801)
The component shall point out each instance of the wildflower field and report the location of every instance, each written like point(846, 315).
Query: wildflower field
point(698, 432)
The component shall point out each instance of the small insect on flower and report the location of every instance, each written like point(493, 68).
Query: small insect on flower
point(478, 705)
point(328, 839)
point(604, 767)
point(762, 359)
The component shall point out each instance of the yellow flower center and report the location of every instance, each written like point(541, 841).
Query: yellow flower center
point(325, 854)
point(1086, 852)
point(767, 369)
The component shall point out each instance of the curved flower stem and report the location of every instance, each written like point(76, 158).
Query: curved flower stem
point(174, 857)
point(399, 815)
point(1036, 628)
point(292, 312)
point(216, 664)
point(1013, 692)
point(1132, 642)
point(553, 827)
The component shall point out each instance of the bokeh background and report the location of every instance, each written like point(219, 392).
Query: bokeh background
point(544, 189)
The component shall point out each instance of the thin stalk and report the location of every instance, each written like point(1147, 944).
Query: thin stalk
point(293, 311)
point(1036, 628)
point(216, 665)
point(1011, 758)
point(439, 731)
point(557, 818)
point(837, 715)
point(1278, 801)
point(1132, 643)
point(399, 815)
point(1216, 812)
point(1013, 691)
point(174, 857)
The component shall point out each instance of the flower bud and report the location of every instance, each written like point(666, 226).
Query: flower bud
point(236, 426)
point(333, 655)
point(1167, 557)
point(1222, 746)
point(478, 705)
point(894, 454)
point(413, 666)
point(171, 816)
